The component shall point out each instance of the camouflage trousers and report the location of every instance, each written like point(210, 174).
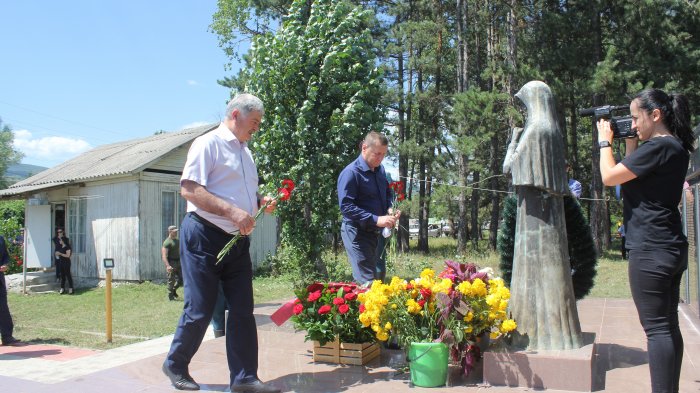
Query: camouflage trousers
point(174, 276)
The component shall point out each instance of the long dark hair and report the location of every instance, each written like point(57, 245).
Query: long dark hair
point(676, 113)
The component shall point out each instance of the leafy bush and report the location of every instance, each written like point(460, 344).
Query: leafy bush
point(11, 220)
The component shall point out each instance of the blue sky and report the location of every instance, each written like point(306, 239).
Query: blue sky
point(82, 73)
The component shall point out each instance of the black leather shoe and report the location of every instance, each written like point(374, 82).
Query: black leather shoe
point(11, 341)
point(180, 381)
point(254, 387)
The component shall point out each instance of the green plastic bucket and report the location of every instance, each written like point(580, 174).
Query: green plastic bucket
point(428, 364)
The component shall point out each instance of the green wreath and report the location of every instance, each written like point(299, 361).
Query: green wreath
point(582, 254)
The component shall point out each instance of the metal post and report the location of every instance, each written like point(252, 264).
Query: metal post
point(108, 303)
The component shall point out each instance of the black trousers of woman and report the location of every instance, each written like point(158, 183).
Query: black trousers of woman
point(65, 273)
point(655, 277)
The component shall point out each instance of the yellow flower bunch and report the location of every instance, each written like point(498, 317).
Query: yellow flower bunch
point(456, 306)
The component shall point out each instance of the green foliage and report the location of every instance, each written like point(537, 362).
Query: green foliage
point(8, 154)
point(506, 237)
point(321, 88)
point(11, 220)
point(582, 254)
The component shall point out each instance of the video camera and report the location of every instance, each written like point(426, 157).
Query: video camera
point(621, 125)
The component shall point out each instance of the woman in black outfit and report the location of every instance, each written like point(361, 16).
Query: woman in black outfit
point(652, 177)
point(63, 253)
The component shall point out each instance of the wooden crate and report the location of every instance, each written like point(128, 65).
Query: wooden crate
point(345, 353)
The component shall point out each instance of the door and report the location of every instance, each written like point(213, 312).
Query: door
point(38, 233)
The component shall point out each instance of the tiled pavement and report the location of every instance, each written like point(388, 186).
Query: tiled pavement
point(285, 361)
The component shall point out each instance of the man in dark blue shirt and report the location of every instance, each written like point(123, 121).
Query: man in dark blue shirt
point(365, 203)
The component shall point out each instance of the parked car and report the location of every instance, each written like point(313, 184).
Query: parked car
point(447, 230)
point(434, 230)
point(413, 230)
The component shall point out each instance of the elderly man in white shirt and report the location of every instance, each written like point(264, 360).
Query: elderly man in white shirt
point(220, 183)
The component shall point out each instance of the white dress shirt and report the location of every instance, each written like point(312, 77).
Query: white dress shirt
point(223, 165)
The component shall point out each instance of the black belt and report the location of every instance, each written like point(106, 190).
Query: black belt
point(370, 230)
point(208, 224)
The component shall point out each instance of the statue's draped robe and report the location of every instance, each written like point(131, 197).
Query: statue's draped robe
point(542, 297)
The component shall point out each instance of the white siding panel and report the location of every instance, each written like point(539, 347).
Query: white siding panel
point(264, 240)
point(150, 211)
point(112, 228)
point(173, 161)
point(112, 241)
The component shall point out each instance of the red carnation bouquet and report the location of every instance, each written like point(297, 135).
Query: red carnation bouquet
point(327, 310)
point(283, 194)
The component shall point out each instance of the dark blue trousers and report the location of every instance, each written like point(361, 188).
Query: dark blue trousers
point(199, 245)
point(361, 246)
point(6, 325)
point(655, 277)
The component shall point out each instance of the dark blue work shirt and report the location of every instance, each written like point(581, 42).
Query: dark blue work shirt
point(363, 194)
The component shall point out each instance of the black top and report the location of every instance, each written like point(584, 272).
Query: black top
point(62, 248)
point(652, 218)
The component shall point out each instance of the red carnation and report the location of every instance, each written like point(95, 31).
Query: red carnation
point(350, 296)
point(425, 292)
point(314, 287)
point(338, 301)
point(283, 193)
point(298, 308)
point(313, 296)
point(325, 309)
point(421, 303)
point(288, 184)
point(343, 308)
point(362, 308)
point(400, 197)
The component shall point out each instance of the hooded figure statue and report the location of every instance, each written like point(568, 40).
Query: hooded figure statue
point(542, 296)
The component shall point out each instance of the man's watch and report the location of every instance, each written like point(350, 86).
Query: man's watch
point(602, 144)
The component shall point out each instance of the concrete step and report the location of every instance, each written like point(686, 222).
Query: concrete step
point(34, 278)
point(15, 282)
point(42, 288)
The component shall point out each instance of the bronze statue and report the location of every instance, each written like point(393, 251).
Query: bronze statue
point(542, 297)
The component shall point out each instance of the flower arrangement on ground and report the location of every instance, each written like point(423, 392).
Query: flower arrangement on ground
point(457, 307)
point(329, 310)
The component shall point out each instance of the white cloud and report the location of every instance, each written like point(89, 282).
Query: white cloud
point(192, 82)
point(195, 124)
point(51, 149)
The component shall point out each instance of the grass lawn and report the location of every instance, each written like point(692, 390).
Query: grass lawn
point(143, 311)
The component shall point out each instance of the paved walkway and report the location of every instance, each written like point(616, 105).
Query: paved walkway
point(285, 361)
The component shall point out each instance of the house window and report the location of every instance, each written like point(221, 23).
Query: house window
point(173, 210)
point(77, 213)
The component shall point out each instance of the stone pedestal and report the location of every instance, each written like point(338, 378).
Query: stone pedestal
point(572, 370)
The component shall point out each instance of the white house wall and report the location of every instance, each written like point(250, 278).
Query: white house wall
point(152, 236)
point(112, 229)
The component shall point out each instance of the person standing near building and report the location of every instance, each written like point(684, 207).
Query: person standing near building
point(652, 177)
point(6, 324)
point(170, 253)
point(220, 183)
point(365, 198)
point(63, 253)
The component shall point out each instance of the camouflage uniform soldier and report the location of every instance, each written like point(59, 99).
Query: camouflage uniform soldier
point(171, 258)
